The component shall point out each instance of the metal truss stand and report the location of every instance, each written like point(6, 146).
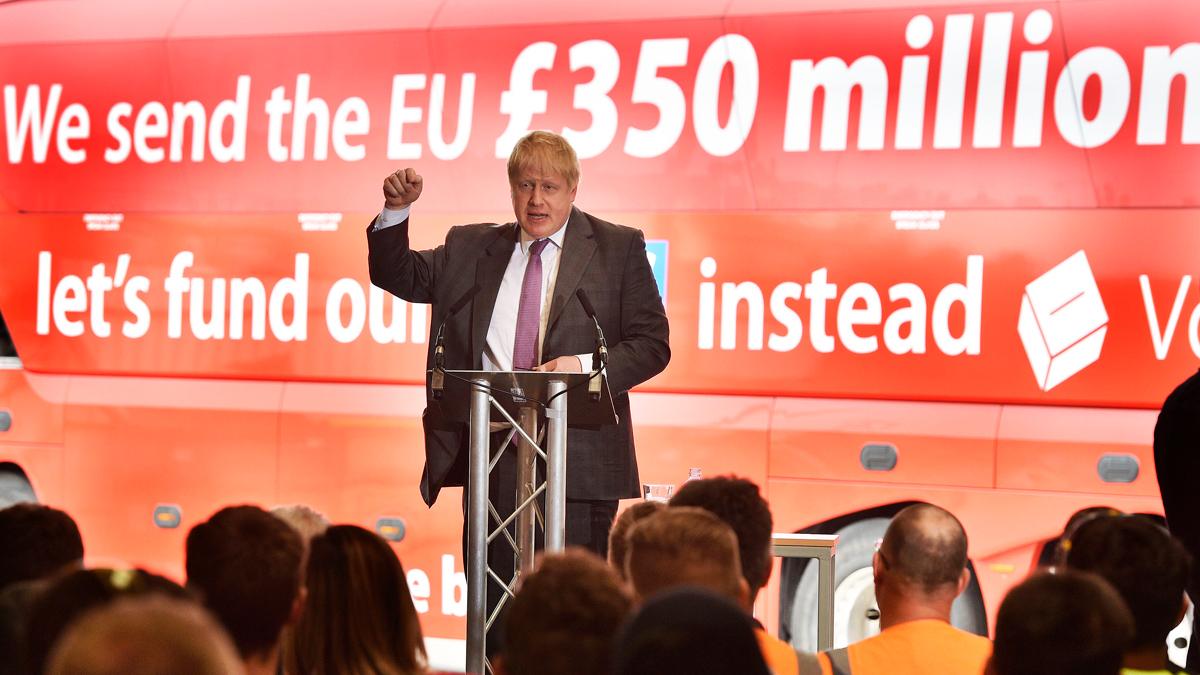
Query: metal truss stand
point(519, 401)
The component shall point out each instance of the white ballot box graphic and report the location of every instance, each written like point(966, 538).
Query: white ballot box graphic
point(1063, 321)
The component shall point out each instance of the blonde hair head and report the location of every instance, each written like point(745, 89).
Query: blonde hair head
point(544, 151)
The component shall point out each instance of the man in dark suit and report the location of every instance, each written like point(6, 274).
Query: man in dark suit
point(526, 316)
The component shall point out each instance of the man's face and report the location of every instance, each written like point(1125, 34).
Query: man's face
point(541, 201)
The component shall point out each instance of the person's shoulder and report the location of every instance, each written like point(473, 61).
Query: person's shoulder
point(478, 229)
point(968, 637)
point(607, 228)
point(476, 232)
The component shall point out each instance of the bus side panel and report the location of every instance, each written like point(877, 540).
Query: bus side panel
point(355, 453)
point(1042, 448)
point(134, 444)
point(842, 439)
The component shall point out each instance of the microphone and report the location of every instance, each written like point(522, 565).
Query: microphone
point(439, 343)
point(600, 356)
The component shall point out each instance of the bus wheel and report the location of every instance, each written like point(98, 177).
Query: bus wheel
point(855, 612)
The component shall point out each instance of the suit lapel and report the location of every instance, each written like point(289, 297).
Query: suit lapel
point(579, 244)
point(489, 272)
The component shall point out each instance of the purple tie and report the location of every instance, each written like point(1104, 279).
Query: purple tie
point(529, 312)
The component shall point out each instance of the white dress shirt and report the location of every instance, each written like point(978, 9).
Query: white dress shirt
point(498, 349)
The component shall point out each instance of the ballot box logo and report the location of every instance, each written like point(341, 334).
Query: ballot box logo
point(656, 253)
point(1063, 321)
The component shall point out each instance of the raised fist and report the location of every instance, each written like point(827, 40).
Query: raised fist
point(401, 189)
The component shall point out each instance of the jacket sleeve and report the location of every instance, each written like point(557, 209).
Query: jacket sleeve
point(396, 268)
point(644, 348)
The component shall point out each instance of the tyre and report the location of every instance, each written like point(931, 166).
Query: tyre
point(855, 612)
point(14, 488)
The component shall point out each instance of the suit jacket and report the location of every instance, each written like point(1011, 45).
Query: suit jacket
point(608, 261)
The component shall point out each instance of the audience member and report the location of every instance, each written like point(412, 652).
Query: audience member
point(565, 617)
point(690, 546)
point(244, 564)
point(620, 531)
point(686, 631)
point(359, 617)
point(684, 546)
point(305, 520)
point(71, 596)
point(1149, 570)
point(1062, 545)
point(1066, 623)
point(145, 636)
point(1176, 439)
point(920, 567)
point(738, 503)
point(40, 542)
point(308, 522)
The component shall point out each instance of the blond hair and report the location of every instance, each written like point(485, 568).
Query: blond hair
point(544, 151)
point(152, 634)
point(683, 546)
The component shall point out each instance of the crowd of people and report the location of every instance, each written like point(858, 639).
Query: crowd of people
point(284, 591)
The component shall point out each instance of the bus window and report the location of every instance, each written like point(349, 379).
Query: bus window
point(6, 344)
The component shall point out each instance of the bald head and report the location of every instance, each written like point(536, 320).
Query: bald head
point(925, 547)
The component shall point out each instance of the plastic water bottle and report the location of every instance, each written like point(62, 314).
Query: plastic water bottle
point(694, 473)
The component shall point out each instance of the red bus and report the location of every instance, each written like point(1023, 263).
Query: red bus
point(909, 250)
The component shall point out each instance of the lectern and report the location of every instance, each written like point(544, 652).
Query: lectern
point(518, 402)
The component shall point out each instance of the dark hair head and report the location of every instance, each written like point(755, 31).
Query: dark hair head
point(737, 502)
point(145, 636)
point(74, 594)
point(683, 546)
point(1063, 546)
point(565, 617)
point(1069, 623)
point(38, 541)
point(359, 616)
point(245, 565)
point(926, 546)
point(618, 536)
point(1146, 566)
point(686, 631)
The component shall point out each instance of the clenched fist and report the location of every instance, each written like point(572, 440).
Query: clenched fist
point(401, 189)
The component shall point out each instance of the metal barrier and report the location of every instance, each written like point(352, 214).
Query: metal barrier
point(823, 547)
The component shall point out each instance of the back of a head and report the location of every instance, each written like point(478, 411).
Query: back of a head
point(686, 631)
point(1146, 566)
point(737, 501)
point(245, 565)
point(73, 595)
point(1068, 623)
point(307, 521)
point(926, 547)
point(1077, 519)
point(145, 636)
point(618, 536)
point(565, 616)
point(38, 541)
point(359, 615)
point(683, 546)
